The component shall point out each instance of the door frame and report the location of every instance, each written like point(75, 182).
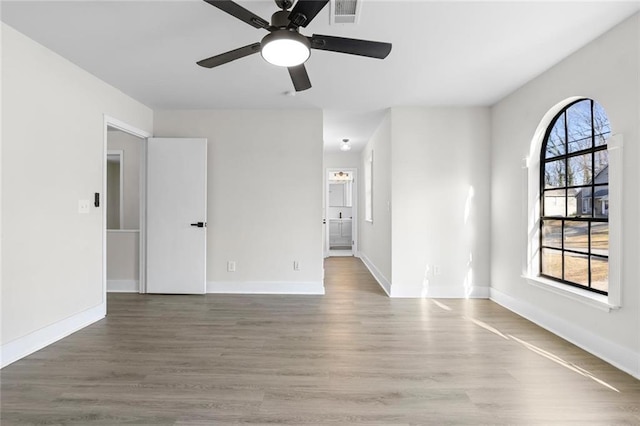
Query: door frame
point(143, 135)
point(354, 209)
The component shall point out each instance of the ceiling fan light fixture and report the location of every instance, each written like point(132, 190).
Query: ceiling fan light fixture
point(285, 48)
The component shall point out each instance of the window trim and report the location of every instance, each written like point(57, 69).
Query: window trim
point(531, 214)
point(589, 298)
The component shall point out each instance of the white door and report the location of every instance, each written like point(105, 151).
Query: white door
point(176, 215)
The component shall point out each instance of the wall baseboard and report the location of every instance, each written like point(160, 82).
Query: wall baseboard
point(266, 287)
point(620, 357)
point(457, 292)
point(17, 349)
point(380, 278)
point(122, 286)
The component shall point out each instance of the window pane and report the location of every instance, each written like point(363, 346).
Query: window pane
point(552, 263)
point(599, 273)
point(583, 201)
point(554, 202)
point(576, 268)
point(580, 170)
point(601, 125)
point(601, 171)
point(579, 126)
point(554, 174)
point(580, 144)
point(586, 206)
point(602, 139)
point(552, 233)
point(601, 201)
point(556, 139)
point(600, 238)
point(576, 236)
point(572, 202)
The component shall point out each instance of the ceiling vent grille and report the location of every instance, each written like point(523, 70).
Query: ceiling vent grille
point(345, 11)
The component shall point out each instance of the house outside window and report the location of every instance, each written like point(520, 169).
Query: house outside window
point(574, 197)
point(586, 204)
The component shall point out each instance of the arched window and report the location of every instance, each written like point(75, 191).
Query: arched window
point(574, 197)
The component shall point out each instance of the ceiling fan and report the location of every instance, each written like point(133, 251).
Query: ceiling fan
point(284, 45)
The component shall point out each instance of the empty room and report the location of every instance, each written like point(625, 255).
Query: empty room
point(319, 212)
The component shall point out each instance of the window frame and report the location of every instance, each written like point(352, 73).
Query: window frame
point(567, 186)
point(531, 218)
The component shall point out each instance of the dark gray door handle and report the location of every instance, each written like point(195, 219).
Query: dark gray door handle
point(199, 224)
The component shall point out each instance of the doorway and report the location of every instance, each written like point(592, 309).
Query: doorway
point(123, 217)
point(341, 212)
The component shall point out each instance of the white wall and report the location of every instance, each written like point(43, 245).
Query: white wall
point(131, 147)
point(264, 196)
point(123, 261)
point(440, 186)
point(607, 70)
point(112, 198)
point(375, 237)
point(337, 160)
point(53, 156)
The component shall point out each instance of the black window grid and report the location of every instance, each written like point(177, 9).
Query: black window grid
point(563, 219)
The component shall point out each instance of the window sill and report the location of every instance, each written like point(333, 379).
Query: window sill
point(598, 301)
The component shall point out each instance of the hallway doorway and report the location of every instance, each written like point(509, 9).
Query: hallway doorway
point(341, 212)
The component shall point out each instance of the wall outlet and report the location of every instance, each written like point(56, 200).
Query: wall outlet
point(436, 270)
point(231, 266)
point(296, 265)
point(84, 206)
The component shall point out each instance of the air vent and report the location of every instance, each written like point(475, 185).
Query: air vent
point(345, 11)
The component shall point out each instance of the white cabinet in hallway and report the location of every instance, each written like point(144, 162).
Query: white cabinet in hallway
point(340, 234)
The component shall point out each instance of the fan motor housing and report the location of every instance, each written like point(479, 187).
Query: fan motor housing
point(284, 4)
point(280, 19)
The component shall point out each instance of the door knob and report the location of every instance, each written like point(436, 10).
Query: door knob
point(199, 224)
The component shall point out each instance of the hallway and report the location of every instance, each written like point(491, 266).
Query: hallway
point(353, 356)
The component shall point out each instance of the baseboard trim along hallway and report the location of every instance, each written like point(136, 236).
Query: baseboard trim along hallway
point(24, 346)
point(380, 278)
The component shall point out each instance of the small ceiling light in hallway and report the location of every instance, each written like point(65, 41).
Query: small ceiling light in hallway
point(346, 145)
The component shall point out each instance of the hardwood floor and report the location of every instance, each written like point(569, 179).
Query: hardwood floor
point(353, 356)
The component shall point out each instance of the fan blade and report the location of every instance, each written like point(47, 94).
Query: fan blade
point(304, 11)
point(300, 78)
point(234, 9)
point(232, 55)
point(351, 46)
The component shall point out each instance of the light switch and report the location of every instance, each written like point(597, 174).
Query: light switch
point(84, 206)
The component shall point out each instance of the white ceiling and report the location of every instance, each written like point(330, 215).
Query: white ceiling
point(444, 53)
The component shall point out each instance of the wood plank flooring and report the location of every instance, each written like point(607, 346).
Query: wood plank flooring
point(352, 356)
